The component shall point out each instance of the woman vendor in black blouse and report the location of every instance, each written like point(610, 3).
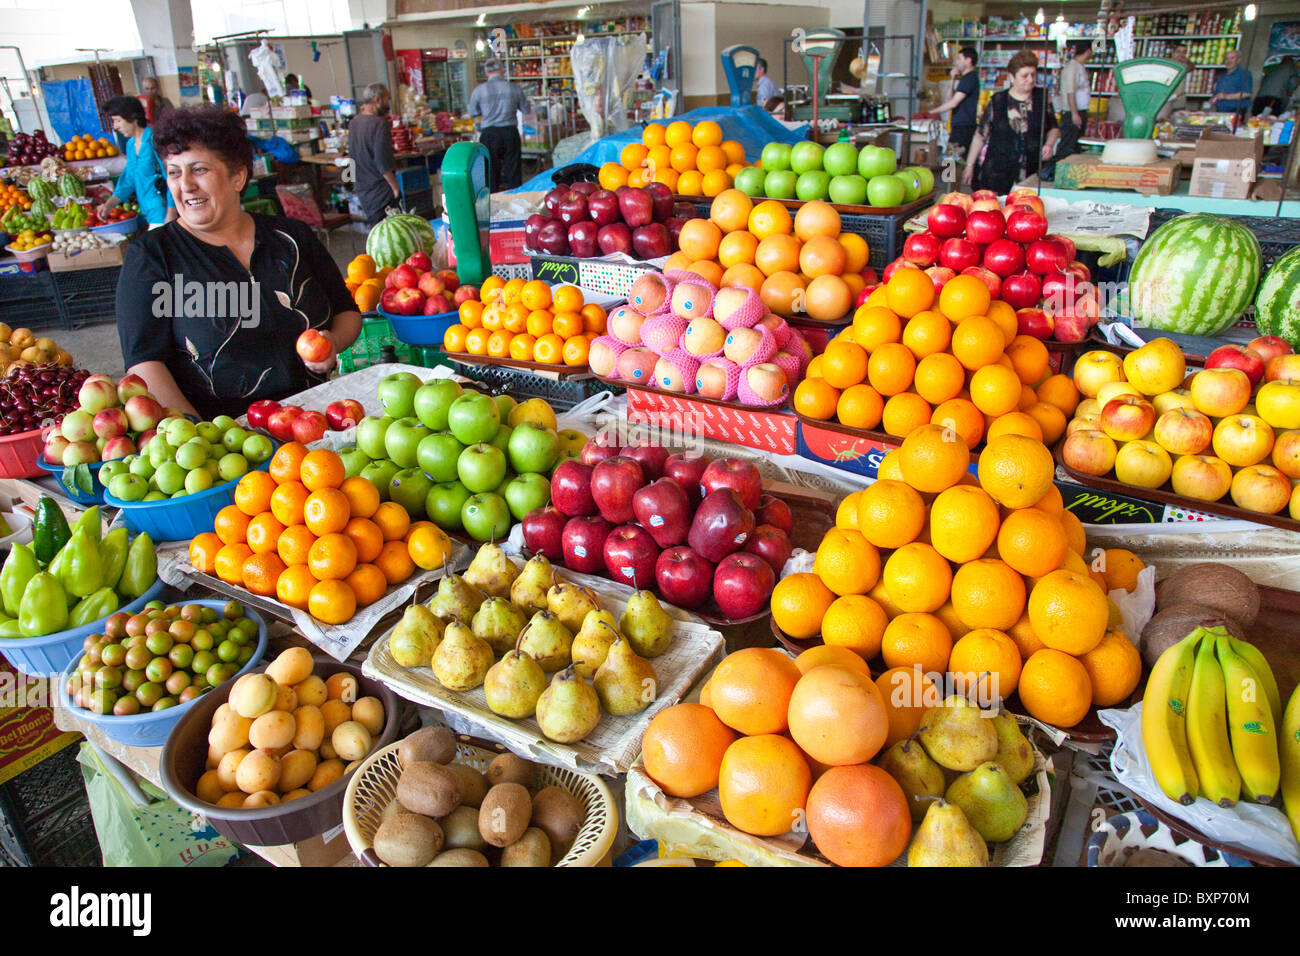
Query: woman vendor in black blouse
point(211, 305)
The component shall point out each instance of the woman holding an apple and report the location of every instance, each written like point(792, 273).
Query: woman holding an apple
point(222, 308)
point(1019, 127)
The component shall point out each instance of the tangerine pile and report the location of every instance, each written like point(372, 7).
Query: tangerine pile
point(11, 194)
point(307, 536)
point(689, 160)
point(800, 265)
point(983, 579)
point(365, 282)
point(86, 146)
point(528, 322)
point(912, 357)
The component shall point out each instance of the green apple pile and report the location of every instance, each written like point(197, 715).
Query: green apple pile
point(184, 458)
point(840, 173)
point(466, 461)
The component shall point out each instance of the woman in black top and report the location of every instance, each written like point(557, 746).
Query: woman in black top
point(210, 306)
point(1019, 128)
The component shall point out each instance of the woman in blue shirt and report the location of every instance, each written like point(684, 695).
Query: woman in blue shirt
point(142, 179)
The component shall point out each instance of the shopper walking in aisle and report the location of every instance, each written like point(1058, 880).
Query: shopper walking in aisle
point(496, 102)
point(370, 144)
point(765, 87)
point(1178, 101)
point(1019, 128)
point(142, 179)
point(263, 280)
point(1072, 101)
point(1232, 90)
point(1276, 87)
point(964, 100)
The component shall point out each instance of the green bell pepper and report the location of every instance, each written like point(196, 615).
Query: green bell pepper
point(141, 569)
point(17, 571)
point(44, 607)
point(91, 522)
point(93, 607)
point(50, 531)
point(112, 555)
point(80, 571)
point(10, 628)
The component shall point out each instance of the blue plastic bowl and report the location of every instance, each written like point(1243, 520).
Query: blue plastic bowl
point(96, 496)
point(150, 729)
point(178, 519)
point(421, 330)
point(126, 227)
point(48, 655)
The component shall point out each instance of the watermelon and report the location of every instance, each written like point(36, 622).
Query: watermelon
point(40, 188)
point(43, 207)
point(1195, 274)
point(422, 228)
point(71, 185)
point(392, 241)
point(1277, 308)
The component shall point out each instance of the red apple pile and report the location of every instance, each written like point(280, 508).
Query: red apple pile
point(586, 221)
point(1009, 250)
point(294, 423)
point(413, 288)
point(695, 530)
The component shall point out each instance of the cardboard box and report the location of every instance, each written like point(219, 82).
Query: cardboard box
point(102, 258)
point(27, 731)
point(1225, 166)
point(760, 428)
point(1089, 172)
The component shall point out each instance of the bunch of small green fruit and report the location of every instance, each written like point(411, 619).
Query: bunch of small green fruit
point(540, 625)
point(184, 458)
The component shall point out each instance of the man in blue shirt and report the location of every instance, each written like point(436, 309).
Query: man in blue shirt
point(1232, 90)
point(764, 87)
point(495, 102)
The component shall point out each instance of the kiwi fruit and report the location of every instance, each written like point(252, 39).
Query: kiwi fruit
point(531, 849)
point(408, 839)
point(504, 814)
point(428, 788)
point(428, 744)
point(1219, 587)
point(460, 829)
point(460, 857)
point(511, 768)
point(473, 785)
point(559, 815)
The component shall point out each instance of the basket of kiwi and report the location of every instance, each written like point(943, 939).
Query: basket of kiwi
point(437, 798)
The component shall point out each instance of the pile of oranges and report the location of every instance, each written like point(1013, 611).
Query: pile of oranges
point(307, 536)
point(365, 282)
point(689, 160)
point(86, 146)
point(984, 579)
point(12, 194)
point(912, 357)
point(801, 266)
point(527, 322)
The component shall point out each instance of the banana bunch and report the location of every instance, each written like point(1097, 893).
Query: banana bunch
point(1210, 719)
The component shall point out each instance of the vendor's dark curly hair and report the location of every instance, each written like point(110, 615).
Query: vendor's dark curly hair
point(210, 125)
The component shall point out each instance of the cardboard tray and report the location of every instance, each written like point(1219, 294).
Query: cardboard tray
point(694, 397)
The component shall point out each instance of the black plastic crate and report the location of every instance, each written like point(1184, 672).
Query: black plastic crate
point(1277, 235)
point(88, 295)
point(522, 385)
point(31, 300)
point(47, 811)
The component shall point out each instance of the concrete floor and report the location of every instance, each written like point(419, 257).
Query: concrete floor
point(96, 346)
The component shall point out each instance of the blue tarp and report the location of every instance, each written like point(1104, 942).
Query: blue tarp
point(751, 126)
point(72, 110)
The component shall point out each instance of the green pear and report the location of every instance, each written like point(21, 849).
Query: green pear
point(568, 709)
point(570, 603)
point(461, 661)
point(498, 622)
point(992, 803)
point(946, 838)
point(416, 637)
point(492, 571)
point(1015, 754)
point(547, 641)
point(919, 776)
point(514, 684)
point(625, 682)
point(457, 599)
point(529, 589)
point(591, 643)
point(957, 734)
point(646, 625)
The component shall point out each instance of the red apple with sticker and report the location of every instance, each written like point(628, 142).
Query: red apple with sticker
point(722, 524)
point(630, 553)
point(663, 509)
point(583, 543)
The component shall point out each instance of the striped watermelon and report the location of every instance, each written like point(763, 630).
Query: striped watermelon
point(40, 188)
point(392, 241)
point(1195, 274)
point(422, 228)
point(71, 185)
point(1277, 308)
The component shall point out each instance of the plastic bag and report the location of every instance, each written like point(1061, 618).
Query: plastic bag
point(156, 833)
point(604, 74)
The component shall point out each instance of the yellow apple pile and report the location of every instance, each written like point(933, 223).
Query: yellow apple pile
point(1205, 436)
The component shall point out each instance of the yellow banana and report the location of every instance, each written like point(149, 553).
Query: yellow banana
point(1250, 722)
point(1289, 745)
point(1164, 721)
point(1207, 729)
point(1265, 674)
